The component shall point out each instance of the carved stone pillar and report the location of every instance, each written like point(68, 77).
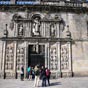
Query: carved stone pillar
point(46, 55)
point(48, 49)
point(15, 51)
point(26, 60)
point(12, 1)
point(44, 28)
point(0, 56)
point(4, 57)
point(15, 29)
point(70, 59)
point(37, 47)
point(58, 56)
point(57, 30)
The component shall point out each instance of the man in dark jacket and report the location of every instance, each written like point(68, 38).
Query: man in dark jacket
point(43, 76)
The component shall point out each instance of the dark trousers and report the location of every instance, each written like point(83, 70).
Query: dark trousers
point(22, 77)
point(48, 80)
point(33, 76)
point(43, 82)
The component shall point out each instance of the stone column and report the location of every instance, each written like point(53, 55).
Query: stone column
point(12, 1)
point(70, 59)
point(44, 28)
point(4, 58)
point(48, 51)
point(15, 58)
point(58, 30)
point(0, 55)
point(59, 62)
point(30, 29)
point(46, 55)
point(26, 59)
point(15, 30)
point(37, 47)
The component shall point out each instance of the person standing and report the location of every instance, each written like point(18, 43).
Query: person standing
point(28, 72)
point(43, 76)
point(48, 75)
point(22, 73)
point(37, 76)
point(33, 73)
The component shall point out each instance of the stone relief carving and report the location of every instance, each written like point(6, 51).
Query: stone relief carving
point(9, 56)
point(36, 21)
point(53, 59)
point(20, 57)
point(64, 57)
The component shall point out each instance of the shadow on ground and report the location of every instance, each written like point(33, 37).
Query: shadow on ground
point(55, 83)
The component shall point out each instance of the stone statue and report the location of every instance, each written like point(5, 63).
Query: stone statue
point(52, 30)
point(21, 30)
point(36, 26)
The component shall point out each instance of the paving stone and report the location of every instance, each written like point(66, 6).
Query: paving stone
point(81, 82)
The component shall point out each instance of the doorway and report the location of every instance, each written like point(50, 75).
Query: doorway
point(36, 55)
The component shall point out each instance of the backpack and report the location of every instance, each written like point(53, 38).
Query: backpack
point(28, 69)
point(37, 72)
point(48, 72)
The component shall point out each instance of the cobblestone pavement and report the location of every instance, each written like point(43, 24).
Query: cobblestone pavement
point(81, 82)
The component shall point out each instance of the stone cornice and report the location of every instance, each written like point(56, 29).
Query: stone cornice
point(43, 8)
point(36, 39)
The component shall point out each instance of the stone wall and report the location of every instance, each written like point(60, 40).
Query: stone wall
point(77, 26)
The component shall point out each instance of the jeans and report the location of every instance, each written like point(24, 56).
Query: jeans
point(43, 82)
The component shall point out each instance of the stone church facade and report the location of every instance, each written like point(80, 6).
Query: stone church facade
point(54, 35)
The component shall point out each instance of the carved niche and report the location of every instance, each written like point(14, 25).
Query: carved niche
point(36, 25)
point(20, 29)
point(52, 29)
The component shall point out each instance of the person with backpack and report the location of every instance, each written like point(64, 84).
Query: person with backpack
point(48, 75)
point(28, 72)
point(37, 76)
